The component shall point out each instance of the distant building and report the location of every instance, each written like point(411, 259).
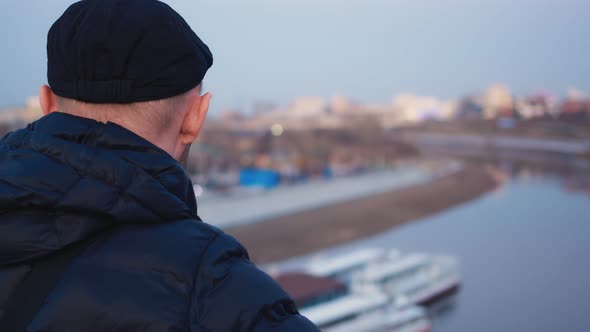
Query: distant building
point(415, 109)
point(497, 101)
point(308, 106)
point(575, 110)
point(264, 107)
point(230, 115)
point(576, 106)
point(339, 104)
point(535, 106)
point(22, 116)
point(469, 108)
point(576, 95)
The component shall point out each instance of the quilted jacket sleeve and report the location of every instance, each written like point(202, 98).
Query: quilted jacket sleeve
point(232, 294)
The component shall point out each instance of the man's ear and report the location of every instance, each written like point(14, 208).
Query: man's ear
point(47, 99)
point(198, 106)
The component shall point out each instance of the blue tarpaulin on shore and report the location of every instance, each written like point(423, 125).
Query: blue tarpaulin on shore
point(262, 178)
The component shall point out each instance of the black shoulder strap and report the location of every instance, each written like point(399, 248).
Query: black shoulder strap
point(27, 298)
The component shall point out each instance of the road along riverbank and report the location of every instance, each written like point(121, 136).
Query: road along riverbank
point(323, 227)
point(249, 207)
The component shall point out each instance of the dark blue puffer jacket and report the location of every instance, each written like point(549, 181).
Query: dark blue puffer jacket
point(65, 178)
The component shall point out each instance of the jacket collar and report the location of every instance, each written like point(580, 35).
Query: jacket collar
point(150, 185)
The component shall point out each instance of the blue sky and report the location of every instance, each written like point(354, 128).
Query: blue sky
point(369, 50)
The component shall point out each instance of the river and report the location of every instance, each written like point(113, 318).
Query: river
point(523, 250)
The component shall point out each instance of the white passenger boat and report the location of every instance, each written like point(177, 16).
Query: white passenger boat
point(343, 267)
point(334, 306)
point(414, 279)
point(411, 279)
point(410, 319)
point(343, 310)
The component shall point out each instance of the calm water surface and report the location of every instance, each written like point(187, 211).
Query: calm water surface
point(524, 251)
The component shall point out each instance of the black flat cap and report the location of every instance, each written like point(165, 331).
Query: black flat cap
point(124, 51)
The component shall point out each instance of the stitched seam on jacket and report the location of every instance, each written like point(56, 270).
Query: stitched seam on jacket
point(10, 184)
point(123, 191)
point(54, 226)
point(55, 229)
point(22, 144)
point(196, 276)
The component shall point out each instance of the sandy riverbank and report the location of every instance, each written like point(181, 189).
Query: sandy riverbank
point(324, 227)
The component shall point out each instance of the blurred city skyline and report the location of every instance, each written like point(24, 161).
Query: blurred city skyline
point(409, 165)
point(368, 51)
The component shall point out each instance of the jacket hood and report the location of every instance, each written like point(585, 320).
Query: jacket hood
point(64, 178)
